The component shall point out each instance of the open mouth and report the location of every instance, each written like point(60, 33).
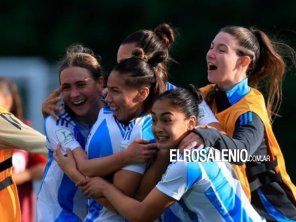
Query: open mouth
point(79, 102)
point(162, 138)
point(211, 66)
point(114, 109)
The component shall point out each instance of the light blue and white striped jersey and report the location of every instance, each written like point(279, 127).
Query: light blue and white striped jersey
point(205, 191)
point(59, 199)
point(109, 136)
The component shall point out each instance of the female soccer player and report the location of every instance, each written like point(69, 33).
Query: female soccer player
point(206, 191)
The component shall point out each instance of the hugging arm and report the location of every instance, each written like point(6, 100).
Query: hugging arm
point(147, 210)
point(50, 105)
point(138, 151)
point(153, 174)
point(247, 136)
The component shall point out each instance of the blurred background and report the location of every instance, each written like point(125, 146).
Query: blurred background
point(35, 34)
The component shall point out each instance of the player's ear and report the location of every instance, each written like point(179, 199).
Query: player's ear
point(191, 122)
point(143, 93)
point(244, 61)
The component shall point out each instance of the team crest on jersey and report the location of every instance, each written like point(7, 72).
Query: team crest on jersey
point(64, 136)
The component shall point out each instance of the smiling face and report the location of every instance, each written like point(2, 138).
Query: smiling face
point(125, 101)
point(224, 67)
point(169, 124)
point(81, 92)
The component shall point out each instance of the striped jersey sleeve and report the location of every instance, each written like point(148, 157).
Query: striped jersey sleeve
point(207, 191)
point(61, 131)
point(141, 129)
point(57, 190)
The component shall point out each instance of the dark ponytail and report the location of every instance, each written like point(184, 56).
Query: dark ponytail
point(144, 70)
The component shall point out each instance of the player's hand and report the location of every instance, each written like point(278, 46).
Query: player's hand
point(140, 151)
point(190, 141)
point(66, 162)
point(91, 188)
point(50, 105)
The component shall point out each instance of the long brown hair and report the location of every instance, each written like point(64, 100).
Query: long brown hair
point(267, 67)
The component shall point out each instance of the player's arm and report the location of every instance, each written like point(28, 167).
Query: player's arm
point(153, 174)
point(248, 134)
point(137, 152)
point(68, 164)
point(15, 134)
point(133, 210)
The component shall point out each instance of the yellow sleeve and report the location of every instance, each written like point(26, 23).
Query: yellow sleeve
point(15, 134)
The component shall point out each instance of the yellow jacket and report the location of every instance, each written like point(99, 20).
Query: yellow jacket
point(253, 102)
